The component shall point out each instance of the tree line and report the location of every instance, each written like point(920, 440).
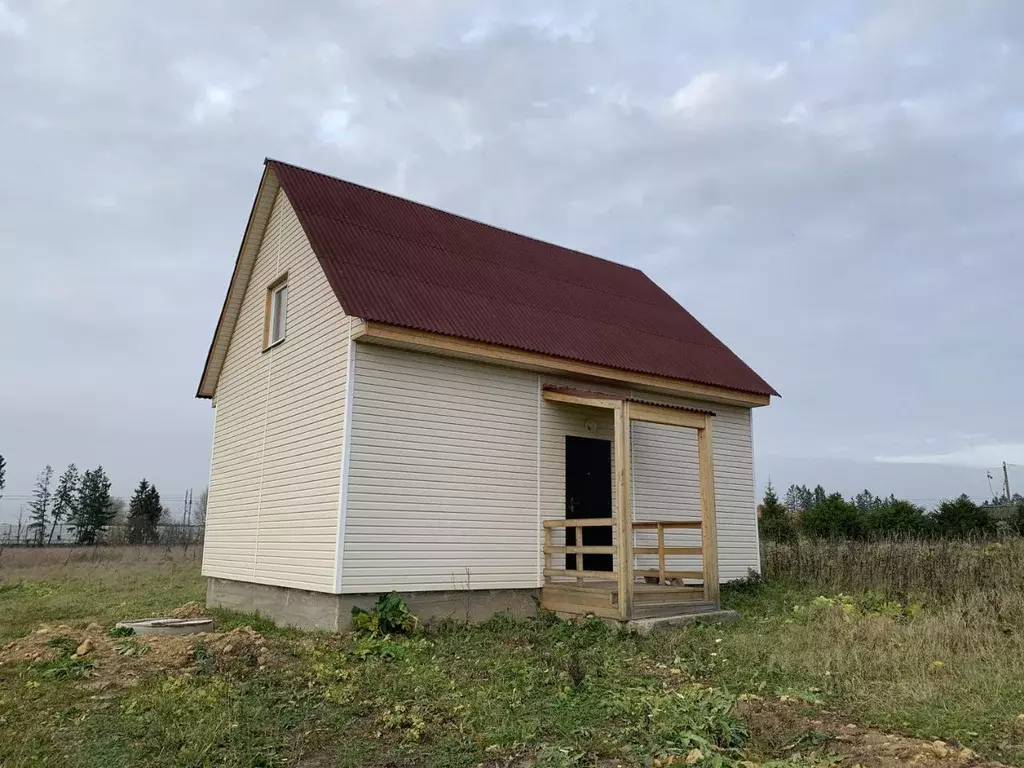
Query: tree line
point(82, 502)
point(817, 513)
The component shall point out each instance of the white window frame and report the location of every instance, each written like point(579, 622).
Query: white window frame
point(278, 288)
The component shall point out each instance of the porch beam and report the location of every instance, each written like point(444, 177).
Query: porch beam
point(709, 527)
point(674, 417)
point(623, 516)
point(552, 396)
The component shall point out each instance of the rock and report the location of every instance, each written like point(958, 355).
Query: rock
point(940, 748)
point(1018, 724)
point(84, 648)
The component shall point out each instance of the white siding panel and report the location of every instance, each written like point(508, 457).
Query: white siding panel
point(274, 483)
point(442, 489)
point(666, 485)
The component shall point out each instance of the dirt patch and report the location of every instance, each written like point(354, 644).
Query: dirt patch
point(189, 611)
point(780, 729)
point(101, 660)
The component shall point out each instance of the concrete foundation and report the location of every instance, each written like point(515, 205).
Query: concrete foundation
point(320, 610)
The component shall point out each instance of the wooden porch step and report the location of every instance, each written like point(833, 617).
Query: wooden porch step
point(659, 610)
point(667, 594)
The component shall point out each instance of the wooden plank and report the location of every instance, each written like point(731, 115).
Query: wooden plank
point(662, 550)
point(547, 548)
point(583, 522)
point(661, 554)
point(709, 529)
point(623, 515)
point(559, 606)
point(392, 335)
point(570, 399)
point(653, 524)
point(660, 414)
point(580, 550)
point(652, 572)
point(604, 575)
point(568, 590)
point(581, 596)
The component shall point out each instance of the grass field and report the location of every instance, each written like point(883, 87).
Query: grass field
point(802, 676)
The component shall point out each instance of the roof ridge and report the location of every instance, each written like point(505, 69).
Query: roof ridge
point(388, 233)
point(453, 214)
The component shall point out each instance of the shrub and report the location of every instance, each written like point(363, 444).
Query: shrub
point(390, 615)
point(832, 516)
point(961, 517)
point(895, 516)
point(774, 522)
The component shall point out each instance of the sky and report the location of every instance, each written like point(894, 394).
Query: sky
point(835, 190)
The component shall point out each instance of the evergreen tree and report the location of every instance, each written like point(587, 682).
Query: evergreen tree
point(95, 509)
point(774, 521)
point(144, 512)
point(818, 496)
point(834, 517)
point(65, 498)
point(39, 507)
point(866, 500)
point(962, 517)
point(799, 498)
point(894, 517)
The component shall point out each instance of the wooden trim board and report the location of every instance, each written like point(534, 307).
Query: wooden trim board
point(393, 335)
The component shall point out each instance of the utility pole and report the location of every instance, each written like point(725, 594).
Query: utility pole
point(1006, 483)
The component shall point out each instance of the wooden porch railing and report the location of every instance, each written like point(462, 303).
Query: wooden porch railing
point(579, 550)
point(661, 573)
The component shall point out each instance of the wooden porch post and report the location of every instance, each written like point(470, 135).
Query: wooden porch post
point(709, 525)
point(623, 514)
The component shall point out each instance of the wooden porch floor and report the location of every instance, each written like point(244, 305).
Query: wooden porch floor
point(601, 598)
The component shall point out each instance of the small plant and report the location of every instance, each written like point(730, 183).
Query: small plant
point(63, 644)
point(121, 632)
point(67, 668)
point(131, 648)
point(390, 615)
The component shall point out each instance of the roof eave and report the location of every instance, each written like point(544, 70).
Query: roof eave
point(255, 228)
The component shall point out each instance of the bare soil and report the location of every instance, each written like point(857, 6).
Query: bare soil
point(782, 728)
point(122, 661)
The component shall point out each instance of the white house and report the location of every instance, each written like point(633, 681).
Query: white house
point(410, 400)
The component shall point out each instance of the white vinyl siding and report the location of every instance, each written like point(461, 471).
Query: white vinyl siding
point(442, 488)
point(454, 463)
point(666, 486)
point(274, 482)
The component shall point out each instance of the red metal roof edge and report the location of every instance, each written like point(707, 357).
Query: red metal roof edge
point(575, 391)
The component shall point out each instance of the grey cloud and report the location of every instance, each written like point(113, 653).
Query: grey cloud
point(834, 190)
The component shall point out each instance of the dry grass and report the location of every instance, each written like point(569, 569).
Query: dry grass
point(939, 570)
point(930, 639)
point(83, 584)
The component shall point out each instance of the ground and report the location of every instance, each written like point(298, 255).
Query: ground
point(801, 679)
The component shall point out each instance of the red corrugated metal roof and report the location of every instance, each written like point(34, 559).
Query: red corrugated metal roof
point(395, 261)
point(590, 394)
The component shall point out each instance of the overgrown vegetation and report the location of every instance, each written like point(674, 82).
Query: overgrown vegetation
point(865, 632)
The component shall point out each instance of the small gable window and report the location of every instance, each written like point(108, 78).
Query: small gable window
point(277, 311)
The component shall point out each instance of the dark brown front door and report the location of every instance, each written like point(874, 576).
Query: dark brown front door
point(588, 493)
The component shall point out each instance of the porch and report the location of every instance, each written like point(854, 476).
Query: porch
point(639, 575)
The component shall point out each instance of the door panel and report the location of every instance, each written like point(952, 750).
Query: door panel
point(588, 493)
